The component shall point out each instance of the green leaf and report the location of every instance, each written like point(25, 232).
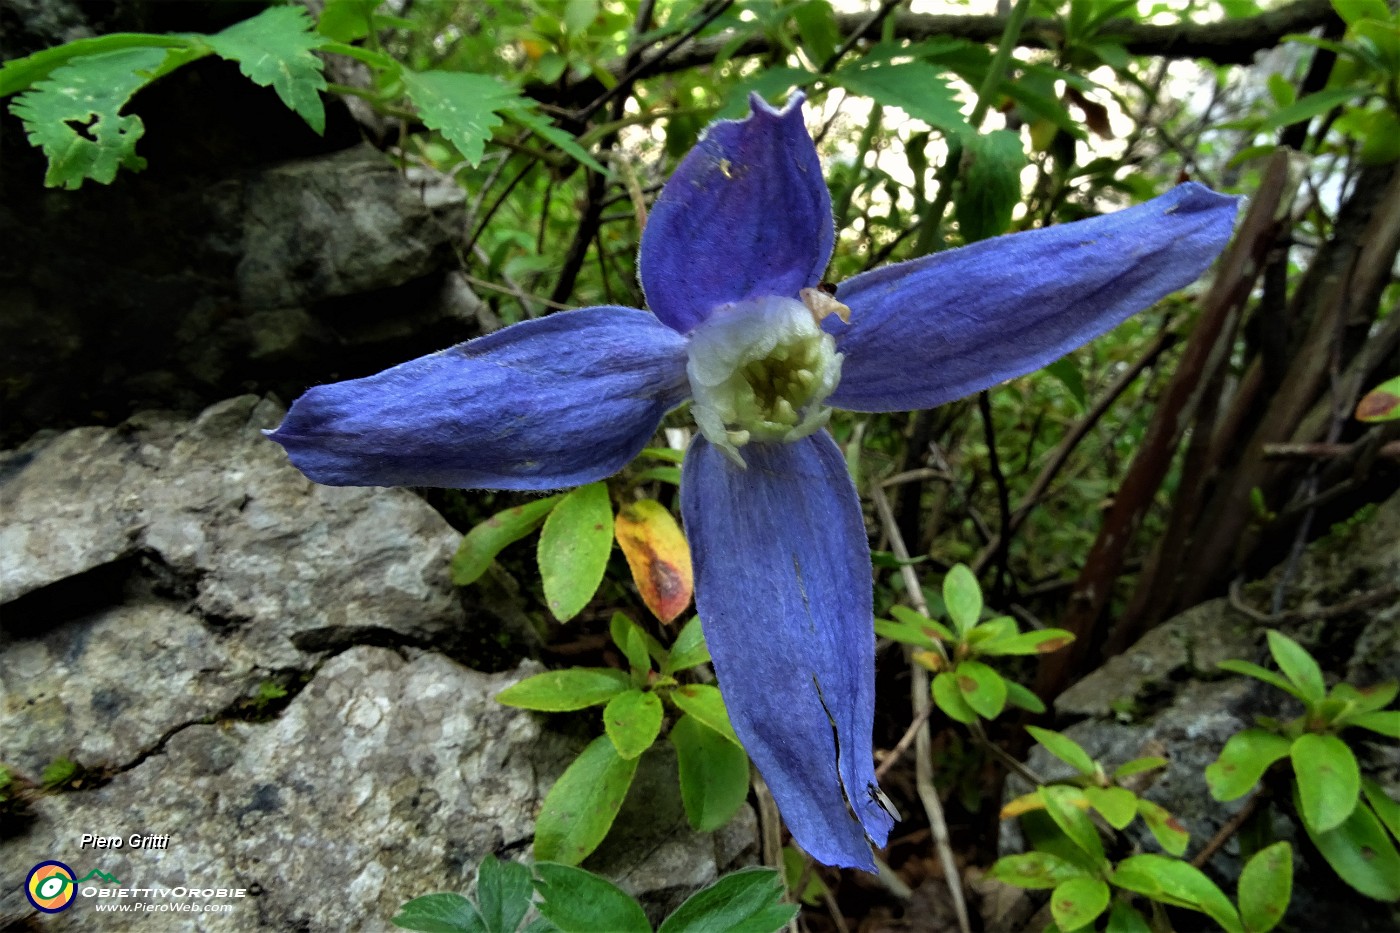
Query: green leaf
point(22, 73)
point(1066, 806)
point(1167, 829)
point(714, 774)
point(569, 689)
point(1381, 403)
point(1305, 108)
point(503, 891)
point(439, 913)
point(963, 598)
point(992, 630)
point(1265, 887)
point(1243, 761)
point(1138, 766)
point(578, 901)
point(633, 721)
point(1174, 881)
point(1298, 666)
point(1118, 805)
point(581, 806)
point(346, 21)
point(74, 116)
point(1361, 854)
point(1065, 749)
point(794, 868)
point(949, 698)
point(917, 88)
point(1329, 780)
point(1068, 375)
point(983, 689)
point(989, 186)
point(1367, 699)
point(464, 108)
point(574, 547)
point(1386, 723)
point(1259, 673)
point(481, 545)
point(523, 113)
point(634, 643)
point(1124, 918)
point(1078, 902)
point(818, 29)
point(273, 49)
point(706, 704)
point(914, 628)
point(689, 649)
point(1035, 870)
point(579, 15)
point(1020, 696)
point(1388, 810)
point(745, 901)
point(1353, 11)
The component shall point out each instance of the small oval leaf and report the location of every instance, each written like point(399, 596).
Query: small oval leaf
point(1266, 885)
point(569, 689)
point(481, 545)
point(633, 721)
point(581, 806)
point(1078, 902)
point(1329, 780)
point(714, 774)
point(1243, 761)
point(706, 704)
point(574, 548)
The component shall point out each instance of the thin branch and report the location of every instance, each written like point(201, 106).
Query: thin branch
point(923, 742)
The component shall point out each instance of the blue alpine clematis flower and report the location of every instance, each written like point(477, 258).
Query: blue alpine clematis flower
point(730, 263)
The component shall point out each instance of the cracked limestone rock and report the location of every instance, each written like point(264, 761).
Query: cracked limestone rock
point(157, 578)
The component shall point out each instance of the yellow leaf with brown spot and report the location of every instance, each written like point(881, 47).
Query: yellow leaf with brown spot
point(1380, 404)
point(659, 556)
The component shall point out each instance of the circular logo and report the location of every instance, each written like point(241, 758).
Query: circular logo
point(50, 887)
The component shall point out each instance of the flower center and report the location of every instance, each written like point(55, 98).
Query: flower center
point(760, 371)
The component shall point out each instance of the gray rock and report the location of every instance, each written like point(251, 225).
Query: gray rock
point(158, 577)
point(1166, 696)
point(386, 778)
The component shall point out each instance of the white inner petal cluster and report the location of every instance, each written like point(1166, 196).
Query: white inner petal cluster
point(760, 370)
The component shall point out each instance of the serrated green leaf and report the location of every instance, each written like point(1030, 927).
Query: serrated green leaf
point(581, 806)
point(917, 88)
point(1067, 806)
point(574, 547)
point(463, 107)
point(818, 29)
point(537, 123)
point(745, 901)
point(503, 892)
point(1243, 761)
point(706, 704)
point(1034, 870)
point(1078, 902)
point(1138, 766)
point(714, 773)
point(1328, 779)
point(689, 649)
point(983, 689)
point(1298, 666)
point(1118, 805)
point(1022, 697)
point(480, 546)
point(963, 598)
point(633, 721)
point(1167, 829)
point(1361, 854)
point(74, 116)
point(949, 698)
point(1265, 887)
point(578, 901)
point(21, 73)
point(989, 186)
point(273, 49)
point(1174, 881)
point(569, 689)
point(439, 913)
point(1065, 749)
